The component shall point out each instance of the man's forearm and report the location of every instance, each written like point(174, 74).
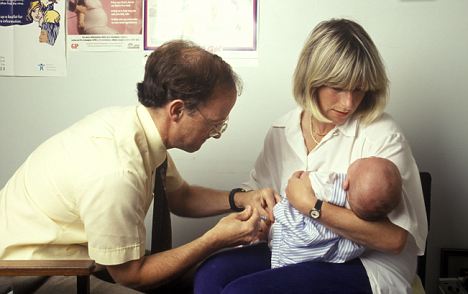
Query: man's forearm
point(157, 269)
point(196, 201)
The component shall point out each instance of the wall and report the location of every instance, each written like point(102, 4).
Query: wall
point(424, 45)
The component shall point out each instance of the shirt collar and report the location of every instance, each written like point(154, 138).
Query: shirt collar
point(349, 128)
point(292, 128)
point(156, 149)
point(292, 124)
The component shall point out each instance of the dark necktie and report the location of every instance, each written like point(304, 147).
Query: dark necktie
point(161, 237)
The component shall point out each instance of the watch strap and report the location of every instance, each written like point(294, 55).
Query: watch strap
point(316, 212)
point(232, 204)
point(318, 205)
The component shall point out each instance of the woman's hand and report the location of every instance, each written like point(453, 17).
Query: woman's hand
point(300, 193)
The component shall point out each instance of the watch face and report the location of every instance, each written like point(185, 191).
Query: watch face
point(314, 213)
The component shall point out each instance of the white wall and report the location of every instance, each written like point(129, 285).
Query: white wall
point(424, 45)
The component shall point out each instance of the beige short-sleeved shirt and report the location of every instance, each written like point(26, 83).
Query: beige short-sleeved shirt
point(84, 193)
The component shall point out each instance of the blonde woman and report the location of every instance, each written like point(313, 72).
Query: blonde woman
point(341, 88)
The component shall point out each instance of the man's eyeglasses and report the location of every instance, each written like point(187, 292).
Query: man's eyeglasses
point(217, 128)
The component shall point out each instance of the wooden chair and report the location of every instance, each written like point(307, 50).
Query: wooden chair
point(426, 181)
point(82, 269)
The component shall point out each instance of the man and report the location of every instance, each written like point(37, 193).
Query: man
point(84, 193)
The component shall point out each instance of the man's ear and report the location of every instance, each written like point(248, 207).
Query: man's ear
point(176, 109)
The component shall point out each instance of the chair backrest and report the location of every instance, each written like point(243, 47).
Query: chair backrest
point(426, 181)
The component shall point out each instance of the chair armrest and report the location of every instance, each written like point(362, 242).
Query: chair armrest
point(46, 267)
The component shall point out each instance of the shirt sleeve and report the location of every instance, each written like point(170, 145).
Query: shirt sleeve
point(329, 187)
point(410, 214)
point(339, 194)
point(265, 173)
point(112, 211)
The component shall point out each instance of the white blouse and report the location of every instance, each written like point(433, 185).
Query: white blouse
point(284, 152)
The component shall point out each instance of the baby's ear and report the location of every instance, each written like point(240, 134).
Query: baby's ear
point(346, 184)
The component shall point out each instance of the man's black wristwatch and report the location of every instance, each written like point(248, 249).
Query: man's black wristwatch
point(315, 212)
point(232, 204)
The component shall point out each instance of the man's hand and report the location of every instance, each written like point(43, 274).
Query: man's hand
point(263, 200)
point(300, 193)
point(236, 228)
point(263, 231)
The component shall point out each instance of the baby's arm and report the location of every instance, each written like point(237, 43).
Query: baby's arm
point(329, 187)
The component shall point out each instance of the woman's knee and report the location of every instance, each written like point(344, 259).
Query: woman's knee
point(211, 276)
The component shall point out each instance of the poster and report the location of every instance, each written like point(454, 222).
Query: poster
point(32, 38)
point(228, 27)
point(105, 25)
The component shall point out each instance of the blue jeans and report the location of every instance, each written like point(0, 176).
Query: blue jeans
point(247, 270)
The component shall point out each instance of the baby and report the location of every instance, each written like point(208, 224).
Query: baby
point(374, 187)
point(373, 190)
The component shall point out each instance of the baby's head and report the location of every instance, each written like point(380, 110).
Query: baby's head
point(374, 187)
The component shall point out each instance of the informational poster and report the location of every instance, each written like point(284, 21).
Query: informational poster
point(105, 25)
point(221, 26)
point(32, 38)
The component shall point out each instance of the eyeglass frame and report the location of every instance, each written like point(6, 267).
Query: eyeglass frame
point(218, 129)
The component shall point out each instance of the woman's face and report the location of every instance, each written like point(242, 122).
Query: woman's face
point(36, 14)
point(337, 104)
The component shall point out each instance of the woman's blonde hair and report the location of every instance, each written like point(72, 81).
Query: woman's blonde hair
point(340, 54)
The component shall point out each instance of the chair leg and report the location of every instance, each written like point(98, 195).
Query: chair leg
point(82, 285)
